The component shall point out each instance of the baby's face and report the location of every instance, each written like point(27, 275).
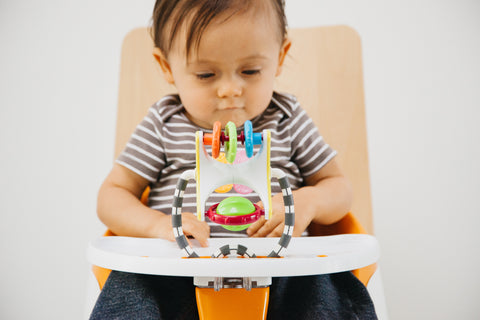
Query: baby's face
point(231, 75)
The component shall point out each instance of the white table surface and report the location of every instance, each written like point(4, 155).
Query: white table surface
point(161, 257)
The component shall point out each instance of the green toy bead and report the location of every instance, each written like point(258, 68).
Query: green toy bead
point(231, 145)
point(235, 206)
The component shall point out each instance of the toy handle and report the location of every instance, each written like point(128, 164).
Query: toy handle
point(177, 213)
point(289, 212)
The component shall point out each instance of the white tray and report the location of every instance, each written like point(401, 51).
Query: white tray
point(304, 256)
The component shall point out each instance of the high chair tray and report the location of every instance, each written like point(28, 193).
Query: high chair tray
point(304, 256)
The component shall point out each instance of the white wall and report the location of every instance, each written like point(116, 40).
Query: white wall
point(58, 92)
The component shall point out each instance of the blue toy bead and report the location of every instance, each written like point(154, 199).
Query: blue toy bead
point(257, 138)
point(248, 132)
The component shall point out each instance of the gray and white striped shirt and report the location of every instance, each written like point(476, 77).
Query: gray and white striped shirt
point(163, 146)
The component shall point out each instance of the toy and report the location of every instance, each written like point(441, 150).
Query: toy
point(211, 174)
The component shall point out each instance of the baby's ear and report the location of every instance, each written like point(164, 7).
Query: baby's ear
point(164, 65)
point(283, 53)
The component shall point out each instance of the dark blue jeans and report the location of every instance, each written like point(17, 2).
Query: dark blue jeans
point(139, 296)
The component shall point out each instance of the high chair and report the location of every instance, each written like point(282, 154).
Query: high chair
point(324, 71)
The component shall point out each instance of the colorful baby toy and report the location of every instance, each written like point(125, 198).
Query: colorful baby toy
point(234, 213)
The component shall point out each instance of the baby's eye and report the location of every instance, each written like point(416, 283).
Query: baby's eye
point(251, 72)
point(205, 75)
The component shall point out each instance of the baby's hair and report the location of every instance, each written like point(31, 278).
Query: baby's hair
point(169, 16)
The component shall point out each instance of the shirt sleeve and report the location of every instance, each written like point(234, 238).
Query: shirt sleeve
point(309, 150)
point(144, 153)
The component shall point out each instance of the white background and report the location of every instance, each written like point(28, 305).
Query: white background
point(59, 66)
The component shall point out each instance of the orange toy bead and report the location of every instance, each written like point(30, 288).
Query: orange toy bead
point(207, 139)
point(217, 129)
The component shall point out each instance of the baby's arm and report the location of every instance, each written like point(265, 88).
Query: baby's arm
point(120, 209)
point(326, 198)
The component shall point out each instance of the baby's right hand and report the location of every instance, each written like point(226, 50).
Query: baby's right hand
point(191, 226)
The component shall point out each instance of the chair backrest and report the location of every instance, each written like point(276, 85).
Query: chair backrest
point(323, 69)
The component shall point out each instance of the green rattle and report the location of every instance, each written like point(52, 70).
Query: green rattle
point(235, 206)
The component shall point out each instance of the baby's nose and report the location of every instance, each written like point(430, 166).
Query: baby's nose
point(230, 88)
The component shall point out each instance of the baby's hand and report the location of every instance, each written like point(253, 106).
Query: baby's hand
point(275, 225)
point(191, 226)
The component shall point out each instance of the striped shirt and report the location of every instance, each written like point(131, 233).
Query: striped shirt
point(162, 147)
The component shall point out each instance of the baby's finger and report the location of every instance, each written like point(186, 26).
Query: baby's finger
point(202, 238)
point(264, 230)
point(199, 235)
point(268, 227)
point(277, 232)
point(199, 230)
point(254, 227)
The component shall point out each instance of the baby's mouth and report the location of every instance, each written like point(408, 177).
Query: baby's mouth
point(231, 108)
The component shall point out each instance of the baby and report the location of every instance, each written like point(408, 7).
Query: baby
point(223, 58)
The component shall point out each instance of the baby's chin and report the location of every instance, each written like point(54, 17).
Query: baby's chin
point(237, 121)
point(238, 117)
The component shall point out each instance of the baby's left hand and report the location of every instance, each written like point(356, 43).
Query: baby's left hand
point(274, 226)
